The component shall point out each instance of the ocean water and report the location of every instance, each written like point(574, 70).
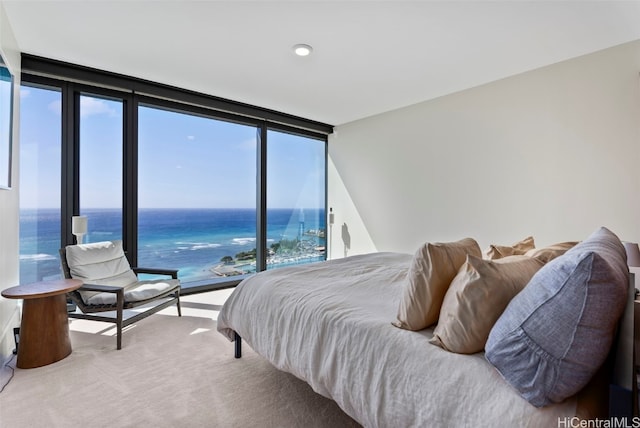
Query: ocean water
point(191, 240)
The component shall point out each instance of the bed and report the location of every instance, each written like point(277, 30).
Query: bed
point(330, 324)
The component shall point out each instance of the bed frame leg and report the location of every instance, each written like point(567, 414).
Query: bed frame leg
point(238, 345)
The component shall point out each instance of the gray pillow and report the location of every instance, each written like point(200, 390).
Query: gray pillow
point(556, 333)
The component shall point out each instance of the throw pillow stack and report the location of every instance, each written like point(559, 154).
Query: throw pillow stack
point(545, 317)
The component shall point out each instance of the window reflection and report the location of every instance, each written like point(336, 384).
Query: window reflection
point(296, 231)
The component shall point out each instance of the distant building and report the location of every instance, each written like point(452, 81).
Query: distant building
point(300, 224)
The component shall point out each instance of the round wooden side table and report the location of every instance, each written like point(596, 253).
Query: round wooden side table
point(44, 329)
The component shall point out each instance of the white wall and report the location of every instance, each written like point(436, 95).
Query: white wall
point(553, 153)
point(9, 264)
point(348, 234)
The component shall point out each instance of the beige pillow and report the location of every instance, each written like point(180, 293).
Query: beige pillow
point(549, 253)
point(432, 269)
point(476, 298)
point(495, 252)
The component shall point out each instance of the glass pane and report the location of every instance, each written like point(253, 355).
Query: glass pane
point(196, 195)
point(40, 151)
point(295, 199)
point(101, 167)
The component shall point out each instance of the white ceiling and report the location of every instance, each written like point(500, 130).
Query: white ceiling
point(369, 56)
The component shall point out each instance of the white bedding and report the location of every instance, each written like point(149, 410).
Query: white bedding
point(329, 324)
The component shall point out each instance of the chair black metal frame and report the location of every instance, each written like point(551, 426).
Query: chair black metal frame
point(170, 297)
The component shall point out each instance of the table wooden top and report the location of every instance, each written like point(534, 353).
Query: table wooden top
point(41, 289)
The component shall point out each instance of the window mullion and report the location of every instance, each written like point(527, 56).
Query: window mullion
point(70, 200)
point(130, 179)
point(261, 194)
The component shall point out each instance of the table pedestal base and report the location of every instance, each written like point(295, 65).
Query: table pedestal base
point(44, 332)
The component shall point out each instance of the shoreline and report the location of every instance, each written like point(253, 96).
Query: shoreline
point(243, 267)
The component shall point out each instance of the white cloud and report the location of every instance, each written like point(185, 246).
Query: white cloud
point(55, 107)
point(249, 144)
point(90, 106)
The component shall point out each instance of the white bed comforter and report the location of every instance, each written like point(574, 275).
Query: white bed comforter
point(329, 324)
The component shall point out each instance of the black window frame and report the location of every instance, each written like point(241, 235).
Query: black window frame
point(74, 80)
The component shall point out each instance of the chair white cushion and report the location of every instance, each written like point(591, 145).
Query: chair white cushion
point(104, 263)
point(136, 292)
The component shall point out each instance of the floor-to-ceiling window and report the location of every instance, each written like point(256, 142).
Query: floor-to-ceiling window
point(295, 199)
point(196, 194)
point(40, 172)
point(100, 167)
point(207, 186)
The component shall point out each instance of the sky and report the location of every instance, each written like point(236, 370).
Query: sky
point(185, 161)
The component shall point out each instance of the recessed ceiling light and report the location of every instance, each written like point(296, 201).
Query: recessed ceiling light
point(302, 49)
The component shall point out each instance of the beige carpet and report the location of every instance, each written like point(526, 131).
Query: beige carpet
point(171, 372)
